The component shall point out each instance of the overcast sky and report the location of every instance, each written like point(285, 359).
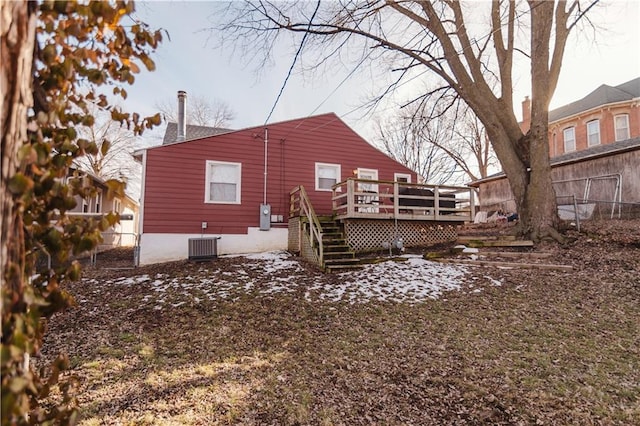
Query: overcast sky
point(189, 61)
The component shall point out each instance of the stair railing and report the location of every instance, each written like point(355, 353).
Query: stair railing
point(301, 205)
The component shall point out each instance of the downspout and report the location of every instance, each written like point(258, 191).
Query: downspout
point(266, 142)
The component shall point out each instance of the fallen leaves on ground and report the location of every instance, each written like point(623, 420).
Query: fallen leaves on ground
point(267, 339)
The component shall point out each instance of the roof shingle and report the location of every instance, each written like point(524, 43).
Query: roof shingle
point(603, 95)
point(193, 132)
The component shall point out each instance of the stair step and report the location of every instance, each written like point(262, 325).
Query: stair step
point(339, 254)
point(342, 261)
point(336, 268)
point(335, 248)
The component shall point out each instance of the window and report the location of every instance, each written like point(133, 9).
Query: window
point(223, 182)
point(116, 205)
point(85, 206)
point(622, 127)
point(96, 202)
point(327, 175)
point(402, 177)
point(593, 132)
point(569, 139)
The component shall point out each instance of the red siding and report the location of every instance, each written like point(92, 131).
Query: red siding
point(175, 174)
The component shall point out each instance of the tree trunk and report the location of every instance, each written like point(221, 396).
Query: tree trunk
point(18, 38)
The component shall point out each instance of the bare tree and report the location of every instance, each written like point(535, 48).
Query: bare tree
point(443, 146)
point(445, 39)
point(412, 143)
point(201, 111)
point(111, 155)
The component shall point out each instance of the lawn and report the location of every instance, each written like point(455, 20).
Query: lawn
point(270, 340)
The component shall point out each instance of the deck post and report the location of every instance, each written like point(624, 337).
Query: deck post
point(472, 204)
point(350, 198)
point(436, 202)
point(396, 202)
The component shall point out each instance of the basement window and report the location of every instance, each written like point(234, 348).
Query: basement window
point(222, 182)
point(593, 132)
point(622, 127)
point(569, 139)
point(327, 175)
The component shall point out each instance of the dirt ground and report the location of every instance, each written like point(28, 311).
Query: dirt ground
point(509, 346)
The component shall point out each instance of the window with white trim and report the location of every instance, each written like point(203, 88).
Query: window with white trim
point(622, 127)
point(96, 202)
point(327, 175)
point(593, 132)
point(116, 205)
point(569, 139)
point(402, 177)
point(222, 182)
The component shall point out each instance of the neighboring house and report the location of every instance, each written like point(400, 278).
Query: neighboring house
point(606, 115)
point(191, 132)
point(237, 184)
point(594, 144)
point(123, 233)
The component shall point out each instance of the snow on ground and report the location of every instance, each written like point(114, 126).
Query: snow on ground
point(268, 274)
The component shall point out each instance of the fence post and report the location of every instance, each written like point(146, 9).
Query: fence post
point(575, 209)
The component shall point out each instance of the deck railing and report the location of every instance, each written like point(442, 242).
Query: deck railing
point(302, 207)
point(375, 199)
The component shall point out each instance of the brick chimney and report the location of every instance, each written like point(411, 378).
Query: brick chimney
point(182, 116)
point(525, 124)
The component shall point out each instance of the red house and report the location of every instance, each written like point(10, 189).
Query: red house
point(236, 184)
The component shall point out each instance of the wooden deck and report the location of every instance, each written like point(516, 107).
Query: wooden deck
point(369, 199)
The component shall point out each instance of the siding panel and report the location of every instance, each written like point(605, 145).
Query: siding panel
point(175, 174)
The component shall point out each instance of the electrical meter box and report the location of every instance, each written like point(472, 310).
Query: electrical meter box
point(265, 217)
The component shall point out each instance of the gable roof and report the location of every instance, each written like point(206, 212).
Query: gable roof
point(217, 131)
point(577, 156)
point(193, 132)
point(603, 95)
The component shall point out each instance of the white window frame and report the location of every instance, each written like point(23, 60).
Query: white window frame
point(117, 205)
point(572, 140)
point(407, 176)
point(593, 138)
point(336, 167)
point(207, 182)
point(97, 202)
point(625, 128)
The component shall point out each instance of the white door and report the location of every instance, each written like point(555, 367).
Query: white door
point(370, 190)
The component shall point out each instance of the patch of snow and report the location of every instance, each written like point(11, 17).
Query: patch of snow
point(470, 250)
point(412, 281)
point(493, 281)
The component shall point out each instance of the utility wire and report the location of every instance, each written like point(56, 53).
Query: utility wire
point(295, 58)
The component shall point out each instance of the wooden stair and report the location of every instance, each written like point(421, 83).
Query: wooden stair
point(338, 256)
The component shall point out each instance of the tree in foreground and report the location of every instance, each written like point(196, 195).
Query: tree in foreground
point(57, 57)
point(446, 39)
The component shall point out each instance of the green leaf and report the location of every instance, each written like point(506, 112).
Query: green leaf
point(19, 184)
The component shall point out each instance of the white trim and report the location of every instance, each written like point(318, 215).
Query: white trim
point(207, 186)
point(402, 175)
point(629, 102)
point(142, 192)
point(564, 139)
point(160, 247)
point(615, 127)
point(589, 134)
point(338, 169)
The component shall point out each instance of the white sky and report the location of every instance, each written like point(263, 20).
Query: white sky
point(189, 62)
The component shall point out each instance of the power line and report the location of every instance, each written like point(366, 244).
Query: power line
point(295, 58)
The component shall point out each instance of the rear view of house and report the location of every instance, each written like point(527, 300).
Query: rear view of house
point(236, 184)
